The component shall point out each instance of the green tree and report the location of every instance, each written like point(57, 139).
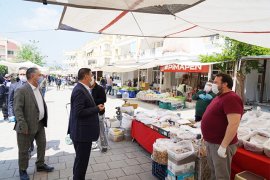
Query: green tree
point(3, 70)
point(233, 51)
point(30, 52)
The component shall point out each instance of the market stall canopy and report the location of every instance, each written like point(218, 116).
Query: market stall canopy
point(13, 67)
point(243, 20)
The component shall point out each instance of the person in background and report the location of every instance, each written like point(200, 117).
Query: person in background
point(109, 85)
point(83, 122)
point(219, 126)
point(49, 79)
point(7, 84)
point(103, 82)
point(12, 90)
point(43, 85)
point(64, 82)
point(31, 117)
point(58, 82)
point(99, 95)
point(203, 97)
point(2, 94)
point(129, 83)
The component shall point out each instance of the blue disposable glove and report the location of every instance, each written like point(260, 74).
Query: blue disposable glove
point(202, 96)
point(12, 119)
point(208, 97)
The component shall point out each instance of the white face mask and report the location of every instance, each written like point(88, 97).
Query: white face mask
point(23, 78)
point(215, 89)
point(207, 88)
point(92, 82)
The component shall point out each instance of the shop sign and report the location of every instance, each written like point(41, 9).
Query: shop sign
point(184, 68)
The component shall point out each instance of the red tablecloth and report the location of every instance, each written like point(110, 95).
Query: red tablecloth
point(245, 160)
point(242, 161)
point(144, 135)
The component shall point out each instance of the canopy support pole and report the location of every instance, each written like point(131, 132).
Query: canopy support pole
point(138, 83)
point(160, 82)
point(263, 81)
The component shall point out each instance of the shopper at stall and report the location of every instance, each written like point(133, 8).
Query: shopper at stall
point(31, 119)
point(83, 122)
point(99, 96)
point(204, 97)
point(109, 85)
point(219, 126)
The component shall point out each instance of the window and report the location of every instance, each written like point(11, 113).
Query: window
point(10, 52)
point(91, 62)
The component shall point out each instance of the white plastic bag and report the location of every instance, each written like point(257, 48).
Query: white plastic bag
point(266, 148)
point(255, 142)
point(126, 121)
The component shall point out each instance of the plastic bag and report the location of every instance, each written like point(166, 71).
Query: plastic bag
point(256, 142)
point(243, 133)
point(160, 154)
point(266, 148)
point(68, 140)
point(126, 121)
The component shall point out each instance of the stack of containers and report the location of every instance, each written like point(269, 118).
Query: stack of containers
point(181, 161)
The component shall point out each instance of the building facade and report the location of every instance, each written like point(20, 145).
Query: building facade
point(8, 49)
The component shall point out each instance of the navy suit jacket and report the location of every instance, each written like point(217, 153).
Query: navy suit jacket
point(83, 119)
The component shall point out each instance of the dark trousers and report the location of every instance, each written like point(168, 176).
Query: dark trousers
point(109, 89)
point(24, 143)
point(4, 104)
point(83, 150)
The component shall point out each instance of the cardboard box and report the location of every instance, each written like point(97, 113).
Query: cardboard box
point(246, 175)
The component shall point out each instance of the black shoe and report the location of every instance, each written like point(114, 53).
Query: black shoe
point(45, 168)
point(24, 175)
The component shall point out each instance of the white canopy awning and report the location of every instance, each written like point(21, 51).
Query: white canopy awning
point(243, 20)
point(13, 67)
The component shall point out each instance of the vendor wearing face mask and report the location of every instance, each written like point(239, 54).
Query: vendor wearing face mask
point(204, 98)
point(219, 126)
point(13, 87)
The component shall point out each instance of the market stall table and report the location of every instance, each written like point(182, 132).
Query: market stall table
point(243, 159)
point(144, 135)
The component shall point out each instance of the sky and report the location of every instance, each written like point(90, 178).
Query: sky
point(27, 22)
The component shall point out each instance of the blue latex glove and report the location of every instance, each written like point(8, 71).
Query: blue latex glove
point(208, 97)
point(202, 96)
point(12, 119)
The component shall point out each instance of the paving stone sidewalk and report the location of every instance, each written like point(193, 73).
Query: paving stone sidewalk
point(124, 160)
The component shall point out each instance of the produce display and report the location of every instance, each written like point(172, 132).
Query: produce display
point(150, 95)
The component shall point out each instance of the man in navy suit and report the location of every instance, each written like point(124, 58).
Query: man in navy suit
point(83, 122)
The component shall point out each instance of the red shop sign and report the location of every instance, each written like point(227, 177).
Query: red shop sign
point(184, 68)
